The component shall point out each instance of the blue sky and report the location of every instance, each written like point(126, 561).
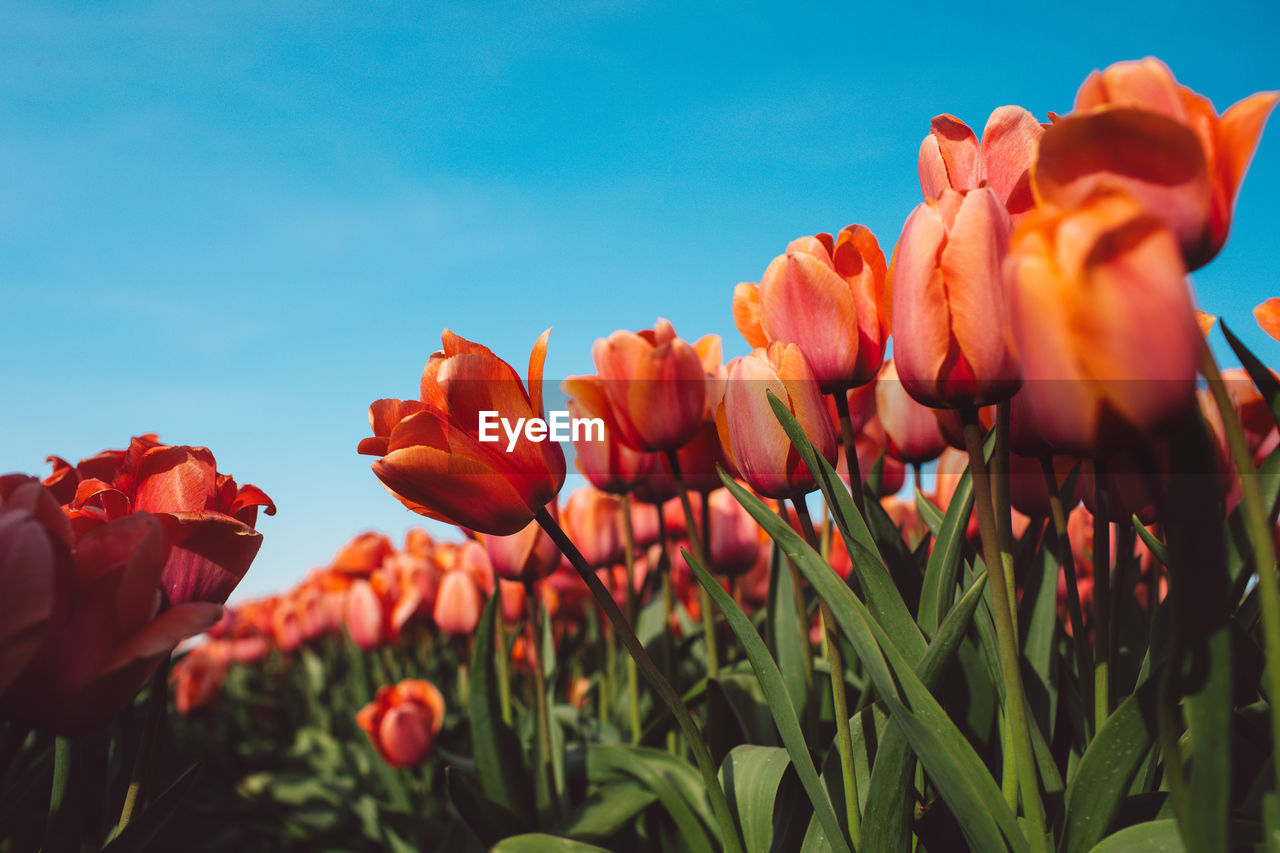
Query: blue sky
point(236, 224)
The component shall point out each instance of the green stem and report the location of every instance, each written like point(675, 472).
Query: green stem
point(62, 827)
point(153, 719)
point(1259, 532)
point(847, 439)
point(504, 664)
point(696, 540)
point(629, 556)
point(1066, 558)
point(702, 756)
point(839, 697)
point(1006, 635)
point(1003, 503)
point(1101, 596)
point(542, 740)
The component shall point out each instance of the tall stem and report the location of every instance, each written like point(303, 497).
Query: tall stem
point(1101, 596)
point(702, 756)
point(1258, 529)
point(153, 720)
point(63, 825)
point(697, 540)
point(839, 698)
point(847, 439)
point(542, 741)
point(629, 556)
point(504, 664)
point(1066, 558)
point(1003, 503)
point(1006, 634)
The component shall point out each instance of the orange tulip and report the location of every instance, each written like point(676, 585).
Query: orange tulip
point(870, 447)
point(735, 540)
point(528, 554)
point(593, 520)
point(830, 298)
point(1134, 127)
point(365, 616)
point(911, 430)
point(432, 457)
point(950, 313)
point(750, 431)
point(610, 465)
point(656, 386)
point(462, 590)
point(364, 554)
point(196, 678)
point(950, 157)
point(1268, 316)
point(1088, 287)
point(403, 721)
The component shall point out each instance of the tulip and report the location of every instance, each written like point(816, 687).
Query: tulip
point(593, 520)
point(364, 616)
point(1260, 432)
point(1088, 286)
point(403, 721)
point(870, 449)
point(951, 318)
point(911, 430)
point(463, 587)
point(431, 456)
point(527, 555)
point(827, 296)
point(196, 678)
point(735, 540)
point(950, 157)
point(655, 384)
point(363, 554)
point(749, 429)
point(1134, 127)
point(115, 632)
point(610, 465)
point(1268, 316)
point(209, 520)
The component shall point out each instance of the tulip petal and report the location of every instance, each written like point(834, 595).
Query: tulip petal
point(1008, 147)
point(746, 314)
point(1268, 316)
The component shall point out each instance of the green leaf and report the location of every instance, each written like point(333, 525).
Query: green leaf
point(775, 693)
point(751, 776)
point(1107, 769)
point(883, 598)
point(499, 768)
point(789, 636)
point(607, 811)
point(948, 757)
point(944, 560)
point(929, 513)
point(143, 828)
point(1154, 545)
point(537, 842)
point(1157, 836)
point(1038, 613)
point(490, 821)
point(675, 783)
point(1258, 372)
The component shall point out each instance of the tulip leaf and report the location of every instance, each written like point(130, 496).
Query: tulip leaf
point(944, 560)
point(489, 820)
point(883, 598)
point(1107, 769)
point(752, 776)
point(1154, 545)
point(784, 712)
point(495, 747)
point(140, 831)
point(1266, 382)
point(537, 842)
point(929, 512)
point(1038, 613)
point(1156, 836)
point(609, 810)
point(677, 786)
point(789, 635)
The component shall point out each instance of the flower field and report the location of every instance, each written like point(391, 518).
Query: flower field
point(763, 624)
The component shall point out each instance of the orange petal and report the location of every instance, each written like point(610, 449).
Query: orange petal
point(746, 314)
point(1268, 316)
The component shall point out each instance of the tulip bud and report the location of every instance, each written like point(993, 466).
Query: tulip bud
point(402, 721)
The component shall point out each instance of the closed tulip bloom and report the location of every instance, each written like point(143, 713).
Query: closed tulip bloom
point(830, 298)
point(365, 616)
point(403, 721)
point(196, 679)
point(1134, 127)
point(1089, 285)
point(951, 158)
point(593, 520)
point(735, 540)
point(432, 458)
point(610, 465)
point(1268, 316)
point(952, 346)
point(458, 604)
point(871, 449)
point(529, 554)
point(364, 554)
point(656, 386)
point(749, 429)
point(911, 430)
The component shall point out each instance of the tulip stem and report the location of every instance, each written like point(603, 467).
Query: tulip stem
point(1260, 533)
point(696, 540)
point(629, 556)
point(697, 744)
point(1006, 634)
point(839, 697)
point(504, 666)
point(1101, 596)
point(1066, 557)
point(153, 719)
point(1002, 502)
point(542, 740)
point(63, 826)
point(848, 441)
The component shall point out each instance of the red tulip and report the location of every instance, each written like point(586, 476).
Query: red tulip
point(403, 721)
point(950, 157)
point(1134, 127)
point(952, 347)
point(364, 616)
point(432, 456)
point(828, 297)
point(1088, 286)
point(749, 429)
point(656, 386)
point(196, 679)
point(735, 541)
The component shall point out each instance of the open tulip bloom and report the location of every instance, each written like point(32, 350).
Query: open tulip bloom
point(742, 630)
